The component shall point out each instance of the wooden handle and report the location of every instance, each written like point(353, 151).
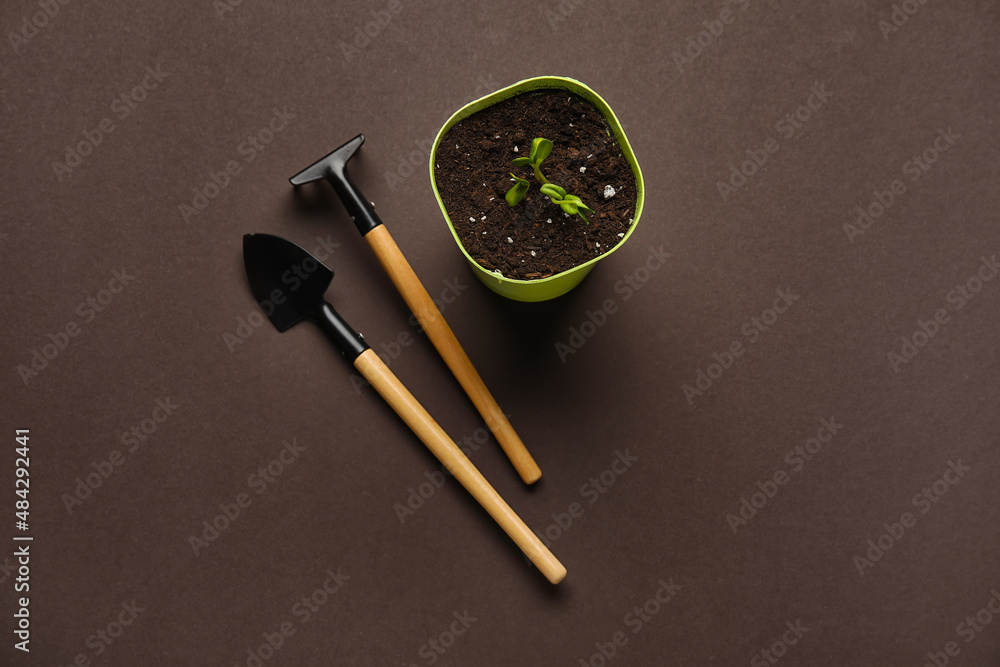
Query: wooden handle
point(451, 351)
point(445, 449)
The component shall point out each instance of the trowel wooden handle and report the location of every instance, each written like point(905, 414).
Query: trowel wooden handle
point(450, 349)
point(445, 449)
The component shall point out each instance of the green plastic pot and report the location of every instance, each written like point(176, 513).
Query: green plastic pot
point(542, 289)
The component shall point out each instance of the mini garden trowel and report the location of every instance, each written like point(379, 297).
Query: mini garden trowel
point(289, 285)
point(333, 168)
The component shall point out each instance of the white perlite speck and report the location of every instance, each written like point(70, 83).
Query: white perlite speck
point(620, 234)
point(609, 192)
point(515, 149)
point(583, 169)
point(472, 219)
point(510, 240)
point(483, 218)
point(549, 221)
point(532, 253)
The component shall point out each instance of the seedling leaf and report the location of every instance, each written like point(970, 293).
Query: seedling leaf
point(517, 192)
point(541, 148)
point(553, 191)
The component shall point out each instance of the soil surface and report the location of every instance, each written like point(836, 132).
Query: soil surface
point(534, 239)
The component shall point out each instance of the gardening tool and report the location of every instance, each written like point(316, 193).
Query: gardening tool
point(333, 168)
point(288, 284)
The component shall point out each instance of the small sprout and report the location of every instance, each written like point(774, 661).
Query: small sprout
point(570, 204)
point(541, 148)
point(516, 193)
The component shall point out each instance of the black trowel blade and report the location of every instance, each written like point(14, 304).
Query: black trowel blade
point(287, 282)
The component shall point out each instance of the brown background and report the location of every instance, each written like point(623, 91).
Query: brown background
point(665, 517)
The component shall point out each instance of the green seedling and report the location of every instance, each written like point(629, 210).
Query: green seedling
point(516, 193)
point(541, 148)
point(568, 203)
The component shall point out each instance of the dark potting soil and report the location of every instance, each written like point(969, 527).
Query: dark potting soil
point(534, 239)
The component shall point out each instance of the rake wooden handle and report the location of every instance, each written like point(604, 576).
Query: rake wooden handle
point(444, 448)
point(443, 338)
